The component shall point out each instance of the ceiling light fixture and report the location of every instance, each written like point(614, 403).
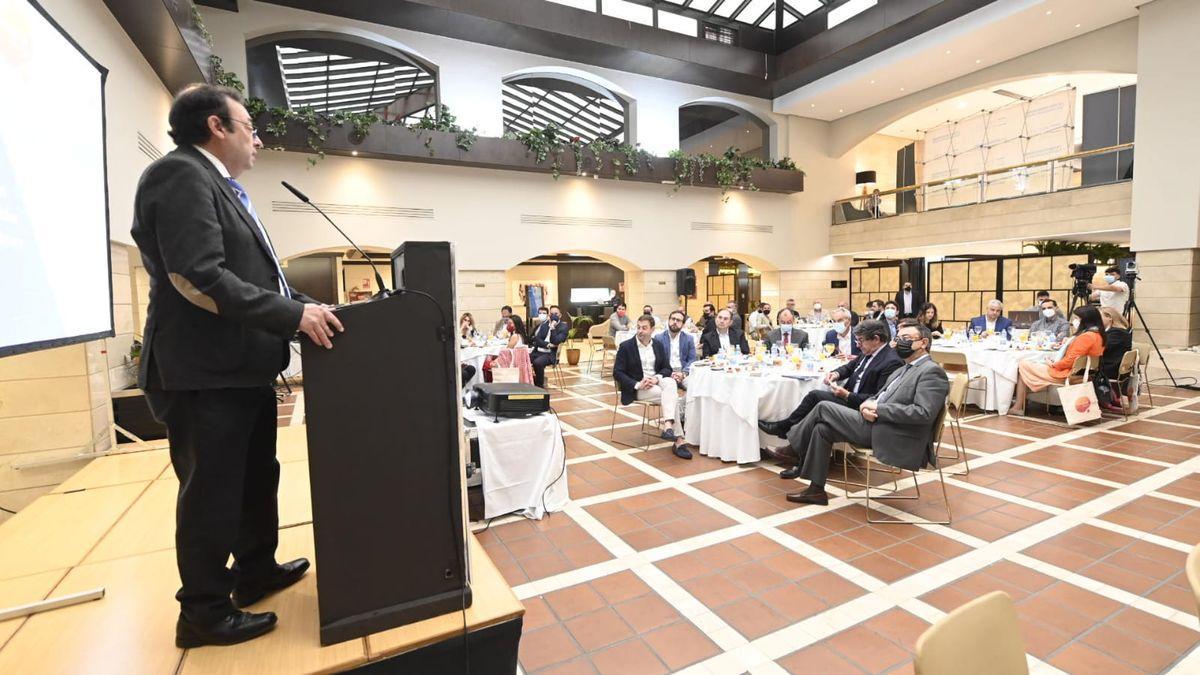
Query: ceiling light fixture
point(354, 153)
point(1049, 12)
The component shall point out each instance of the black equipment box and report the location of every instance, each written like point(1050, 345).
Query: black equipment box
point(505, 399)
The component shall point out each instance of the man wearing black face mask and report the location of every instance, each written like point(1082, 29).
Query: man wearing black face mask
point(708, 320)
point(546, 339)
point(908, 302)
point(897, 423)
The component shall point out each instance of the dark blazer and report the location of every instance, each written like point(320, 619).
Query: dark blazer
point(216, 318)
point(883, 363)
point(799, 337)
point(627, 369)
point(542, 337)
point(710, 342)
point(831, 338)
point(1003, 324)
point(1117, 341)
point(917, 301)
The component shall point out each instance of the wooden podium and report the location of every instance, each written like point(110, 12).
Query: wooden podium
point(385, 469)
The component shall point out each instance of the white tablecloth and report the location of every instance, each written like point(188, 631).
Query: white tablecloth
point(520, 458)
point(475, 356)
point(623, 335)
point(1000, 369)
point(723, 410)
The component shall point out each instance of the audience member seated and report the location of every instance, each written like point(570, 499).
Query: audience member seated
point(790, 305)
point(723, 336)
point(759, 322)
point(649, 311)
point(818, 313)
point(538, 319)
point(466, 327)
point(993, 321)
point(545, 341)
point(735, 319)
point(908, 302)
point(845, 304)
point(853, 383)
point(874, 310)
point(506, 314)
point(688, 324)
point(1088, 340)
point(841, 336)
point(1051, 321)
point(681, 348)
point(897, 424)
point(509, 332)
point(891, 316)
point(928, 316)
point(1118, 340)
point(786, 333)
point(619, 321)
point(467, 371)
point(1113, 292)
point(643, 372)
point(708, 319)
point(1037, 303)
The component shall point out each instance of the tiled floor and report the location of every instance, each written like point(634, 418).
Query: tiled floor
point(660, 564)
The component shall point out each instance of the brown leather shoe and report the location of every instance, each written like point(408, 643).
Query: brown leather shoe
point(806, 497)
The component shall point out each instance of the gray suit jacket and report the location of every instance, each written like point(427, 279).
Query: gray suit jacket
point(799, 337)
point(902, 436)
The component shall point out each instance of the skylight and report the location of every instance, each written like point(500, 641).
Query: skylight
point(587, 115)
point(849, 10)
point(332, 82)
point(685, 16)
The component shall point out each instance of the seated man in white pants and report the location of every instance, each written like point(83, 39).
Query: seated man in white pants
point(643, 372)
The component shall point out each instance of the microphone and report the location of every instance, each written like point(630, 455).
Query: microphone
point(383, 289)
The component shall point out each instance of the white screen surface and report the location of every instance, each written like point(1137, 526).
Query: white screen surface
point(587, 296)
point(55, 275)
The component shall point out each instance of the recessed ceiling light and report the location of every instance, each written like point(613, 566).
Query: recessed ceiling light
point(840, 110)
point(978, 60)
point(947, 52)
point(872, 81)
point(1078, 25)
point(812, 105)
point(901, 88)
point(354, 153)
point(1049, 12)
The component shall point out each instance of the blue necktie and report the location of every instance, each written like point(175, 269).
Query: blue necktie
point(245, 200)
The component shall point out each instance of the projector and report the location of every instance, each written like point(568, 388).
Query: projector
point(504, 399)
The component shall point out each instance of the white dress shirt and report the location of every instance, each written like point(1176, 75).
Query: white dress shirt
point(646, 354)
point(676, 360)
point(724, 338)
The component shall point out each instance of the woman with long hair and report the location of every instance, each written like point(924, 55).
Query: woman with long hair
point(466, 327)
point(928, 316)
point(1088, 340)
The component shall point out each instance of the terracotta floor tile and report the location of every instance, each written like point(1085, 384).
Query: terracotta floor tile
point(647, 613)
point(818, 658)
point(870, 650)
point(634, 656)
point(751, 617)
point(680, 644)
point(1188, 486)
point(1141, 654)
point(572, 601)
point(546, 646)
point(598, 629)
point(619, 587)
point(1079, 658)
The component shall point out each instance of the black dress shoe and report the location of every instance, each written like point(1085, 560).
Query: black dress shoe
point(790, 473)
point(233, 628)
point(285, 575)
point(681, 451)
point(778, 429)
point(806, 497)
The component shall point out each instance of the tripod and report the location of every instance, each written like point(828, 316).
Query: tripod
point(1130, 307)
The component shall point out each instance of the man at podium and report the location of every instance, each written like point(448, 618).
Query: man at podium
point(217, 330)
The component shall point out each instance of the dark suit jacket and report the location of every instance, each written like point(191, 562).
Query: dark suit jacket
point(543, 338)
point(799, 337)
point(831, 338)
point(917, 301)
point(627, 369)
point(1003, 324)
point(216, 318)
point(882, 365)
point(710, 342)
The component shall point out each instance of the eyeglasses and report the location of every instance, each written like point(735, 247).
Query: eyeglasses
point(248, 125)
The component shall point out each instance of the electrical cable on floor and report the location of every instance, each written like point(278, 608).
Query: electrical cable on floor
point(563, 436)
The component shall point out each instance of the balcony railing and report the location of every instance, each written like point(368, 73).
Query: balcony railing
point(1101, 166)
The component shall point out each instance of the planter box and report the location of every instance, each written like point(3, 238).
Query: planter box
point(438, 147)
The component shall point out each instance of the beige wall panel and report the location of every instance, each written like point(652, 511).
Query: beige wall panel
point(870, 279)
point(37, 476)
point(1061, 271)
point(1035, 273)
point(59, 362)
point(935, 277)
point(889, 280)
point(856, 279)
point(945, 304)
point(982, 275)
point(859, 302)
point(1017, 300)
point(44, 432)
point(36, 397)
point(1063, 298)
point(967, 306)
point(1012, 276)
point(954, 276)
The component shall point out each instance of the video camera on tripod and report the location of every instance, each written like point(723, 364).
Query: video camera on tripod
point(1083, 275)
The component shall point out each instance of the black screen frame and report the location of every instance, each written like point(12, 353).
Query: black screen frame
point(23, 348)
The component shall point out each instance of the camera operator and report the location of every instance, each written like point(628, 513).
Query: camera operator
point(1113, 292)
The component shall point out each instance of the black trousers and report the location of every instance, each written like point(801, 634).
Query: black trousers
point(223, 452)
point(810, 401)
point(540, 360)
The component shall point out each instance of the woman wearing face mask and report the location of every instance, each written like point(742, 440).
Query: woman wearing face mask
point(929, 317)
point(891, 315)
point(1088, 340)
point(841, 336)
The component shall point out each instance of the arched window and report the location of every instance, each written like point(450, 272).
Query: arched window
point(714, 126)
point(331, 72)
point(580, 105)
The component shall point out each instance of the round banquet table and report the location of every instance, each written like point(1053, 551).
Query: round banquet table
point(723, 409)
point(999, 366)
point(475, 356)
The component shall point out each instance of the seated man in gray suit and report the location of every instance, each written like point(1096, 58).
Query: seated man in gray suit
point(784, 335)
point(897, 424)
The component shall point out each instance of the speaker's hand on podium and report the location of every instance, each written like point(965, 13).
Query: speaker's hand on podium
point(318, 323)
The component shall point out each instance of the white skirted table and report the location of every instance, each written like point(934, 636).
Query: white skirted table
point(475, 356)
point(723, 408)
point(523, 464)
point(998, 365)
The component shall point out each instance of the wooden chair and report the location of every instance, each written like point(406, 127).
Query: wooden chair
point(956, 407)
point(938, 427)
point(1144, 352)
point(609, 346)
point(1192, 567)
point(982, 637)
point(646, 405)
point(595, 342)
point(557, 372)
point(1125, 373)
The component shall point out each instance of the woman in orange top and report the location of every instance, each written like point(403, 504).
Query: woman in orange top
point(1087, 341)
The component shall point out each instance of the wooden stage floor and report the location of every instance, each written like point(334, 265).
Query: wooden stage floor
point(111, 525)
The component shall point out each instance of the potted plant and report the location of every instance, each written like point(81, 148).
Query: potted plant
point(579, 330)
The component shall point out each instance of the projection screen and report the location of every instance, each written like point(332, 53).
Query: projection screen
point(55, 272)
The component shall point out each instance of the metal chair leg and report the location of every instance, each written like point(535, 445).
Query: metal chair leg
point(945, 501)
